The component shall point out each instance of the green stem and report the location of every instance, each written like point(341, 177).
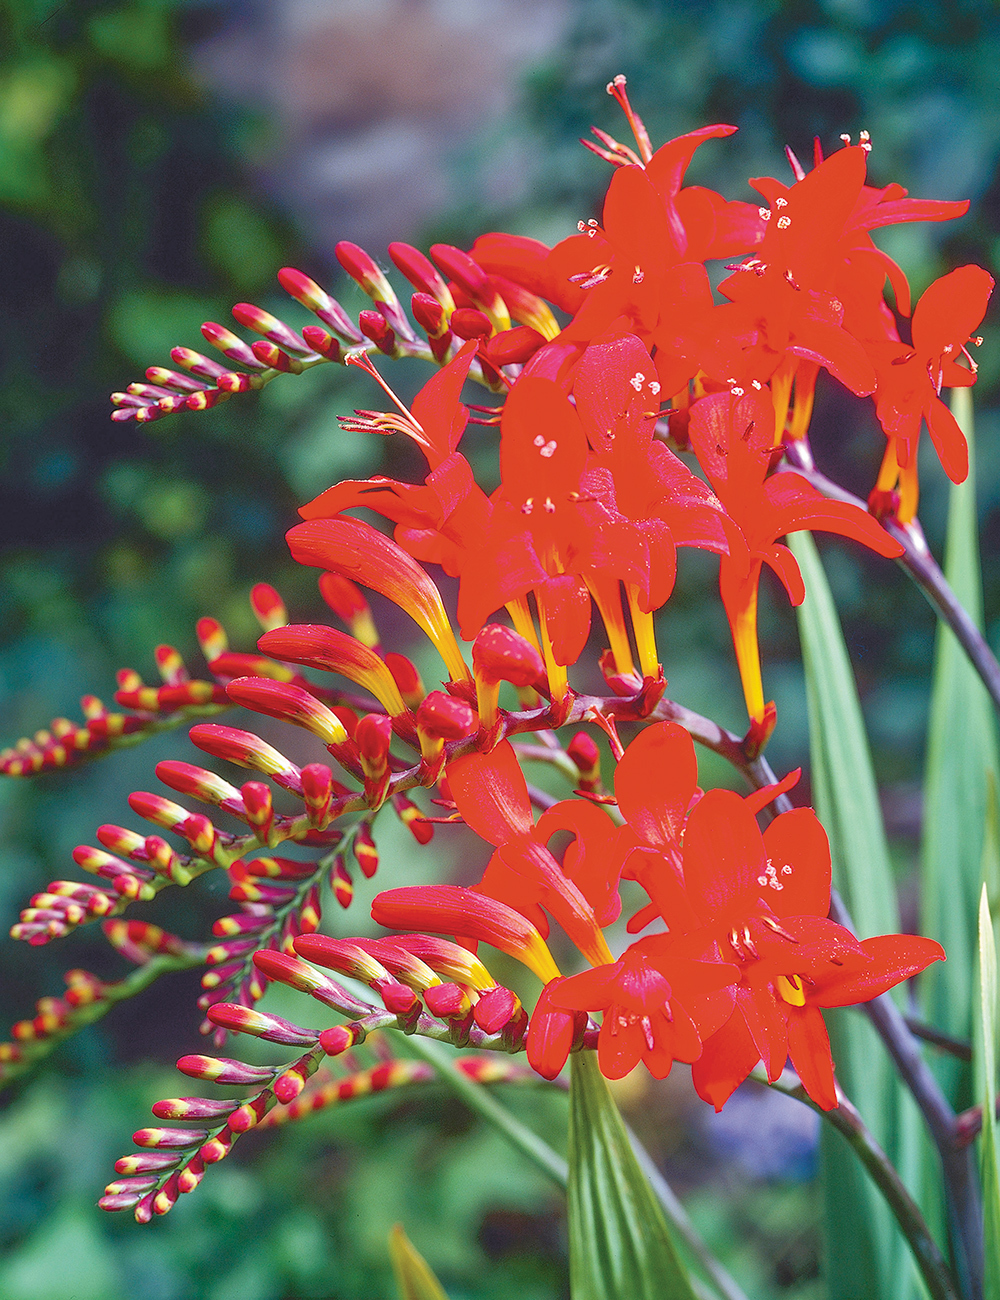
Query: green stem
point(846, 1120)
point(535, 1148)
point(33, 1050)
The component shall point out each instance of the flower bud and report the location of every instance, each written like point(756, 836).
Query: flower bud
point(241, 1020)
point(327, 309)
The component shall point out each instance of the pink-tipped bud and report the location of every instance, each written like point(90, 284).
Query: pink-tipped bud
point(448, 1001)
point(327, 309)
point(407, 678)
point(584, 752)
point(323, 343)
point(275, 358)
point(186, 778)
point(502, 655)
point(216, 1069)
point(496, 1008)
point(197, 364)
point(429, 315)
point(169, 1138)
point(317, 792)
point(341, 882)
point(468, 323)
point(268, 607)
point(375, 327)
point(413, 818)
point(514, 346)
point(192, 1108)
point(421, 273)
point(290, 704)
point(246, 750)
point(275, 1029)
point(262, 322)
point(472, 280)
point(297, 974)
point(365, 271)
point(343, 956)
point(229, 344)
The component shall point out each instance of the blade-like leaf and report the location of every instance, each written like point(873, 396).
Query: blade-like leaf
point(961, 755)
point(414, 1278)
point(866, 1256)
point(619, 1245)
point(989, 1155)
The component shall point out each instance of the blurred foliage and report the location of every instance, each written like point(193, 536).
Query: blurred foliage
point(130, 213)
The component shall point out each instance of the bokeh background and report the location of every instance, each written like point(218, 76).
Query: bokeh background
point(159, 160)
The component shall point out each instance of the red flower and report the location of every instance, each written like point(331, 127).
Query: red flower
point(645, 997)
point(910, 381)
point(733, 436)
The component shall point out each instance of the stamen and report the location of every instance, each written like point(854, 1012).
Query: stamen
point(616, 88)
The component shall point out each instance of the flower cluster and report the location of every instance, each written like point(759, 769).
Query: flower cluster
point(637, 412)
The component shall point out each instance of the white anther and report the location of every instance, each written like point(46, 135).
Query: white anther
point(549, 506)
point(786, 870)
point(755, 383)
point(737, 391)
point(654, 386)
point(764, 213)
point(539, 440)
point(548, 450)
point(781, 203)
point(784, 223)
point(637, 380)
point(528, 506)
point(846, 139)
point(762, 880)
point(581, 226)
point(638, 275)
point(776, 884)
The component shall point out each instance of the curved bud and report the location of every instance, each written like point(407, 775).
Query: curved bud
point(246, 750)
point(367, 556)
point(473, 280)
point(450, 909)
point(290, 704)
point(327, 309)
point(318, 646)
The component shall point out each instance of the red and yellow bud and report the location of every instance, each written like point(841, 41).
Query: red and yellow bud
point(327, 309)
point(289, 703)
point(413, 818)
point(317, 793)
point(365, 555)
point(373, 736)
point(275, 1029)
point(246, 750)
point(407, 678)
point(347, 601)
point(341, 882)
point(586, 755)
point(374, 326)
point(422, 274)
point(450, 909)
point(473, 280)
point(363, 269)
point(502, 655)
point(272, 329)
point(229, 344)
point(365, 852)
point(297, 974)
point(318, 646)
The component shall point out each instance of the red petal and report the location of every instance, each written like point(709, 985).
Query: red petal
point(809, 1048)
point(723, 856)
point(655, 782)
point(726, 1060)
point(491, 794)
point(894, 958)
point(797, 840)
point(950, 309)
point(437, 408)
point(949, 440)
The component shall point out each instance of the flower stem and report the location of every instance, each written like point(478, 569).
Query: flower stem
point(922, 567)
point(846, 1120)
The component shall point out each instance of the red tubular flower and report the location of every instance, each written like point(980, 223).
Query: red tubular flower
point(319, 646)
point(733, 436)
point(489, 791)
point(762, 902)
point(910, 381)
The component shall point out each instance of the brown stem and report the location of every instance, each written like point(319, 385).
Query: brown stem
point(922, 567)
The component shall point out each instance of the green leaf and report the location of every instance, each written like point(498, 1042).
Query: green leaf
point(989, 1157)
point(961, 762)
point(414, 1278)
point(619, 1245)
point(867, 1258)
